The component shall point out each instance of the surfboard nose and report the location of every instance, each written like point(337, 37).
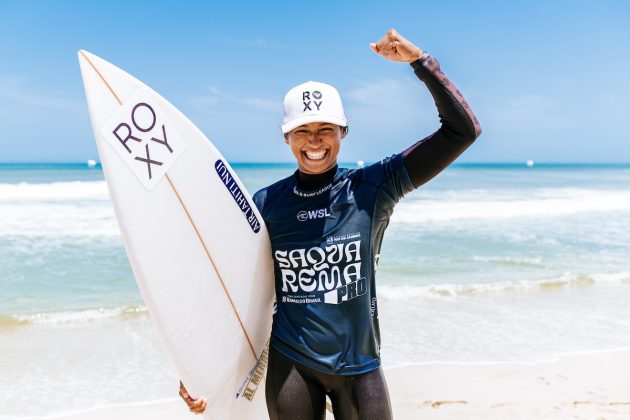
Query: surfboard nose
point(83, 55)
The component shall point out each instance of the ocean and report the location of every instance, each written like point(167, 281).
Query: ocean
point(485, 263)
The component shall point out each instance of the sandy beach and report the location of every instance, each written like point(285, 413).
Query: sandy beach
point(582, 386)
point(585, 386)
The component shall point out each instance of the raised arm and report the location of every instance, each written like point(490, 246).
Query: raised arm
point(429, 156)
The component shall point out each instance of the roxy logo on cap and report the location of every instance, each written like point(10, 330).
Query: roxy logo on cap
point(311, 99)
point(312, 102)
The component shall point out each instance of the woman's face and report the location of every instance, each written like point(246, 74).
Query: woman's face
point(315, 146)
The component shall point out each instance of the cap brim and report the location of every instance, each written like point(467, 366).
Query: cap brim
point(313, 118)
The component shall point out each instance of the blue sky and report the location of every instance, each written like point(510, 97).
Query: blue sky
point(548, 80)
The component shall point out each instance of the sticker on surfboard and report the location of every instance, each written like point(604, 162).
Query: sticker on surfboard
point(144, 138)
point(255, 376)
point(241, 201)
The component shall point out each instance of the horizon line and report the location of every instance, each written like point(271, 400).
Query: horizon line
point(523, 163)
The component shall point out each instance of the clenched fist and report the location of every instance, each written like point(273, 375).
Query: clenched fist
point(395, 47)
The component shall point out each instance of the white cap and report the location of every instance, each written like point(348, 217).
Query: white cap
point(312, 102)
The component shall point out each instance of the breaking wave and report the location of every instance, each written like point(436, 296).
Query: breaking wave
point(451, 290)
point(72, 316)
point(498, 204)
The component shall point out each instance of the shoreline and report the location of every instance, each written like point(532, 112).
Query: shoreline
point(583, 385)
point(156, 409)
point(544, 360)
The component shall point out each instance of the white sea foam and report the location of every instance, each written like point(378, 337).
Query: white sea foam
point(452, 290)
point(74, 316)
point(497, 204)
point(56, 219)
point(83, 208)
point(54, 191)
point(57, 209)
point(517, 261)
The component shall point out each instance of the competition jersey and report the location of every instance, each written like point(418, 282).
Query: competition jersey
point(325, 246)
point(326, 242)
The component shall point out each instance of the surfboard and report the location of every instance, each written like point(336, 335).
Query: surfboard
point(198, 247)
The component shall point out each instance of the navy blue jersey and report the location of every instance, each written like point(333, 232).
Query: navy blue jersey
point(325, 246)
point(326, 242)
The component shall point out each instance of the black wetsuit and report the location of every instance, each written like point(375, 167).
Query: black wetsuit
point(326, 232)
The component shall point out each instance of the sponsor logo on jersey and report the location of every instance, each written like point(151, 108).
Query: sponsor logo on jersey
point(346, 292)
point(305, 215)
point(312, 193)
point(329, 274)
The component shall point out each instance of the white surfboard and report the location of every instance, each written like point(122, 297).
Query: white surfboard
point(198, 246)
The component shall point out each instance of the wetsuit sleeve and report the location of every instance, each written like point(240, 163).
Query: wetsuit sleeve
point(390, 176)
point(259, 199)
point(459, 126)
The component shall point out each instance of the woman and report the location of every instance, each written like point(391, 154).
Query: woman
point(326, 225)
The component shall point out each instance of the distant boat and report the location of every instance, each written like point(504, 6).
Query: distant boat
point(91, 163)
point(529, 163)
point(360, 164)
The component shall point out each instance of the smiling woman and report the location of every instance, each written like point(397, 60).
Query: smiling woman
point(314, 125)
point(315, 146)
point(326, 225)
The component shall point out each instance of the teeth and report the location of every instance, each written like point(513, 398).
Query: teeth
point(315, 155)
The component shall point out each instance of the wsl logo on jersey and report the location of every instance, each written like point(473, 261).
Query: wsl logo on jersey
point(329, 274)
point(303, 216)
